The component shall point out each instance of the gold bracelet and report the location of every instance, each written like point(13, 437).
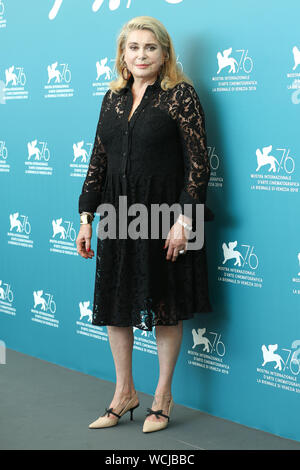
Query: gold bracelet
point(86, 218)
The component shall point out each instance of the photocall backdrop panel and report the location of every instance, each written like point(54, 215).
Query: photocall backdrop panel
point(240, 362)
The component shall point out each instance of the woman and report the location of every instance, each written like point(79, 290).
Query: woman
point(150, 146)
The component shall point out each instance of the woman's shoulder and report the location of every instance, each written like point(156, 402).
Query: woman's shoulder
point(108, 99)
point(186, 96)
point(183, 86)
point(108, 94)
point(184, 90)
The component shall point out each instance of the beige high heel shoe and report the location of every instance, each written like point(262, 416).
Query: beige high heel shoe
point(150, 426)
point(105, 422)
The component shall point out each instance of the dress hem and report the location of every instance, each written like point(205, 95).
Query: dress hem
point(134, 324)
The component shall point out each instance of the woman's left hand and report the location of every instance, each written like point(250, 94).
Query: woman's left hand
point(176, 241)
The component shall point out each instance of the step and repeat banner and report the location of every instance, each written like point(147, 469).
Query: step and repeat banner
point(241, 362)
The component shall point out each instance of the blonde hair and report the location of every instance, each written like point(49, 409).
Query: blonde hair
point(170, 74)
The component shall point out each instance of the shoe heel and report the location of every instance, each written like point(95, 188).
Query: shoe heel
point(131, 411)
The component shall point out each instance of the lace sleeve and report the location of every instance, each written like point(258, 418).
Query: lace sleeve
point(89, 198)
point(191, 124)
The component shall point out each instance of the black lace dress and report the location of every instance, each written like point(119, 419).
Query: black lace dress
point(159, 156)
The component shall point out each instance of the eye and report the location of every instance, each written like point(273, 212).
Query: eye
point(152, 48)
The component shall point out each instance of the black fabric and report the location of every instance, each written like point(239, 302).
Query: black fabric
point(159, 156)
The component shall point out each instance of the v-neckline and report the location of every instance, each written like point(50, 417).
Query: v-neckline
point(141, 103)
point(129, 120)
point(138, 106)
point(141, 100)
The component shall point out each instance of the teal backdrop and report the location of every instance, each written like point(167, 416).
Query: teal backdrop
point(241, 362)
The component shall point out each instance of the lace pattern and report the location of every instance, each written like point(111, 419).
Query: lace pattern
point(159, 156)
point(94, 181)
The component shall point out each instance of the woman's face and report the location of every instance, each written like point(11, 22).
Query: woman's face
point(143, 48)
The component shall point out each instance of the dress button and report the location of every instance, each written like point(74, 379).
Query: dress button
point(124, 153)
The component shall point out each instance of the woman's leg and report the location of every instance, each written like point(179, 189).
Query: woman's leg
point(121, 343)
point(168, 340)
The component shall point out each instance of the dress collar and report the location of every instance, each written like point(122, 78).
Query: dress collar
point(130, 81)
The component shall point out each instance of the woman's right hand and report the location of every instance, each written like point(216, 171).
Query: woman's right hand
point(83, 241)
